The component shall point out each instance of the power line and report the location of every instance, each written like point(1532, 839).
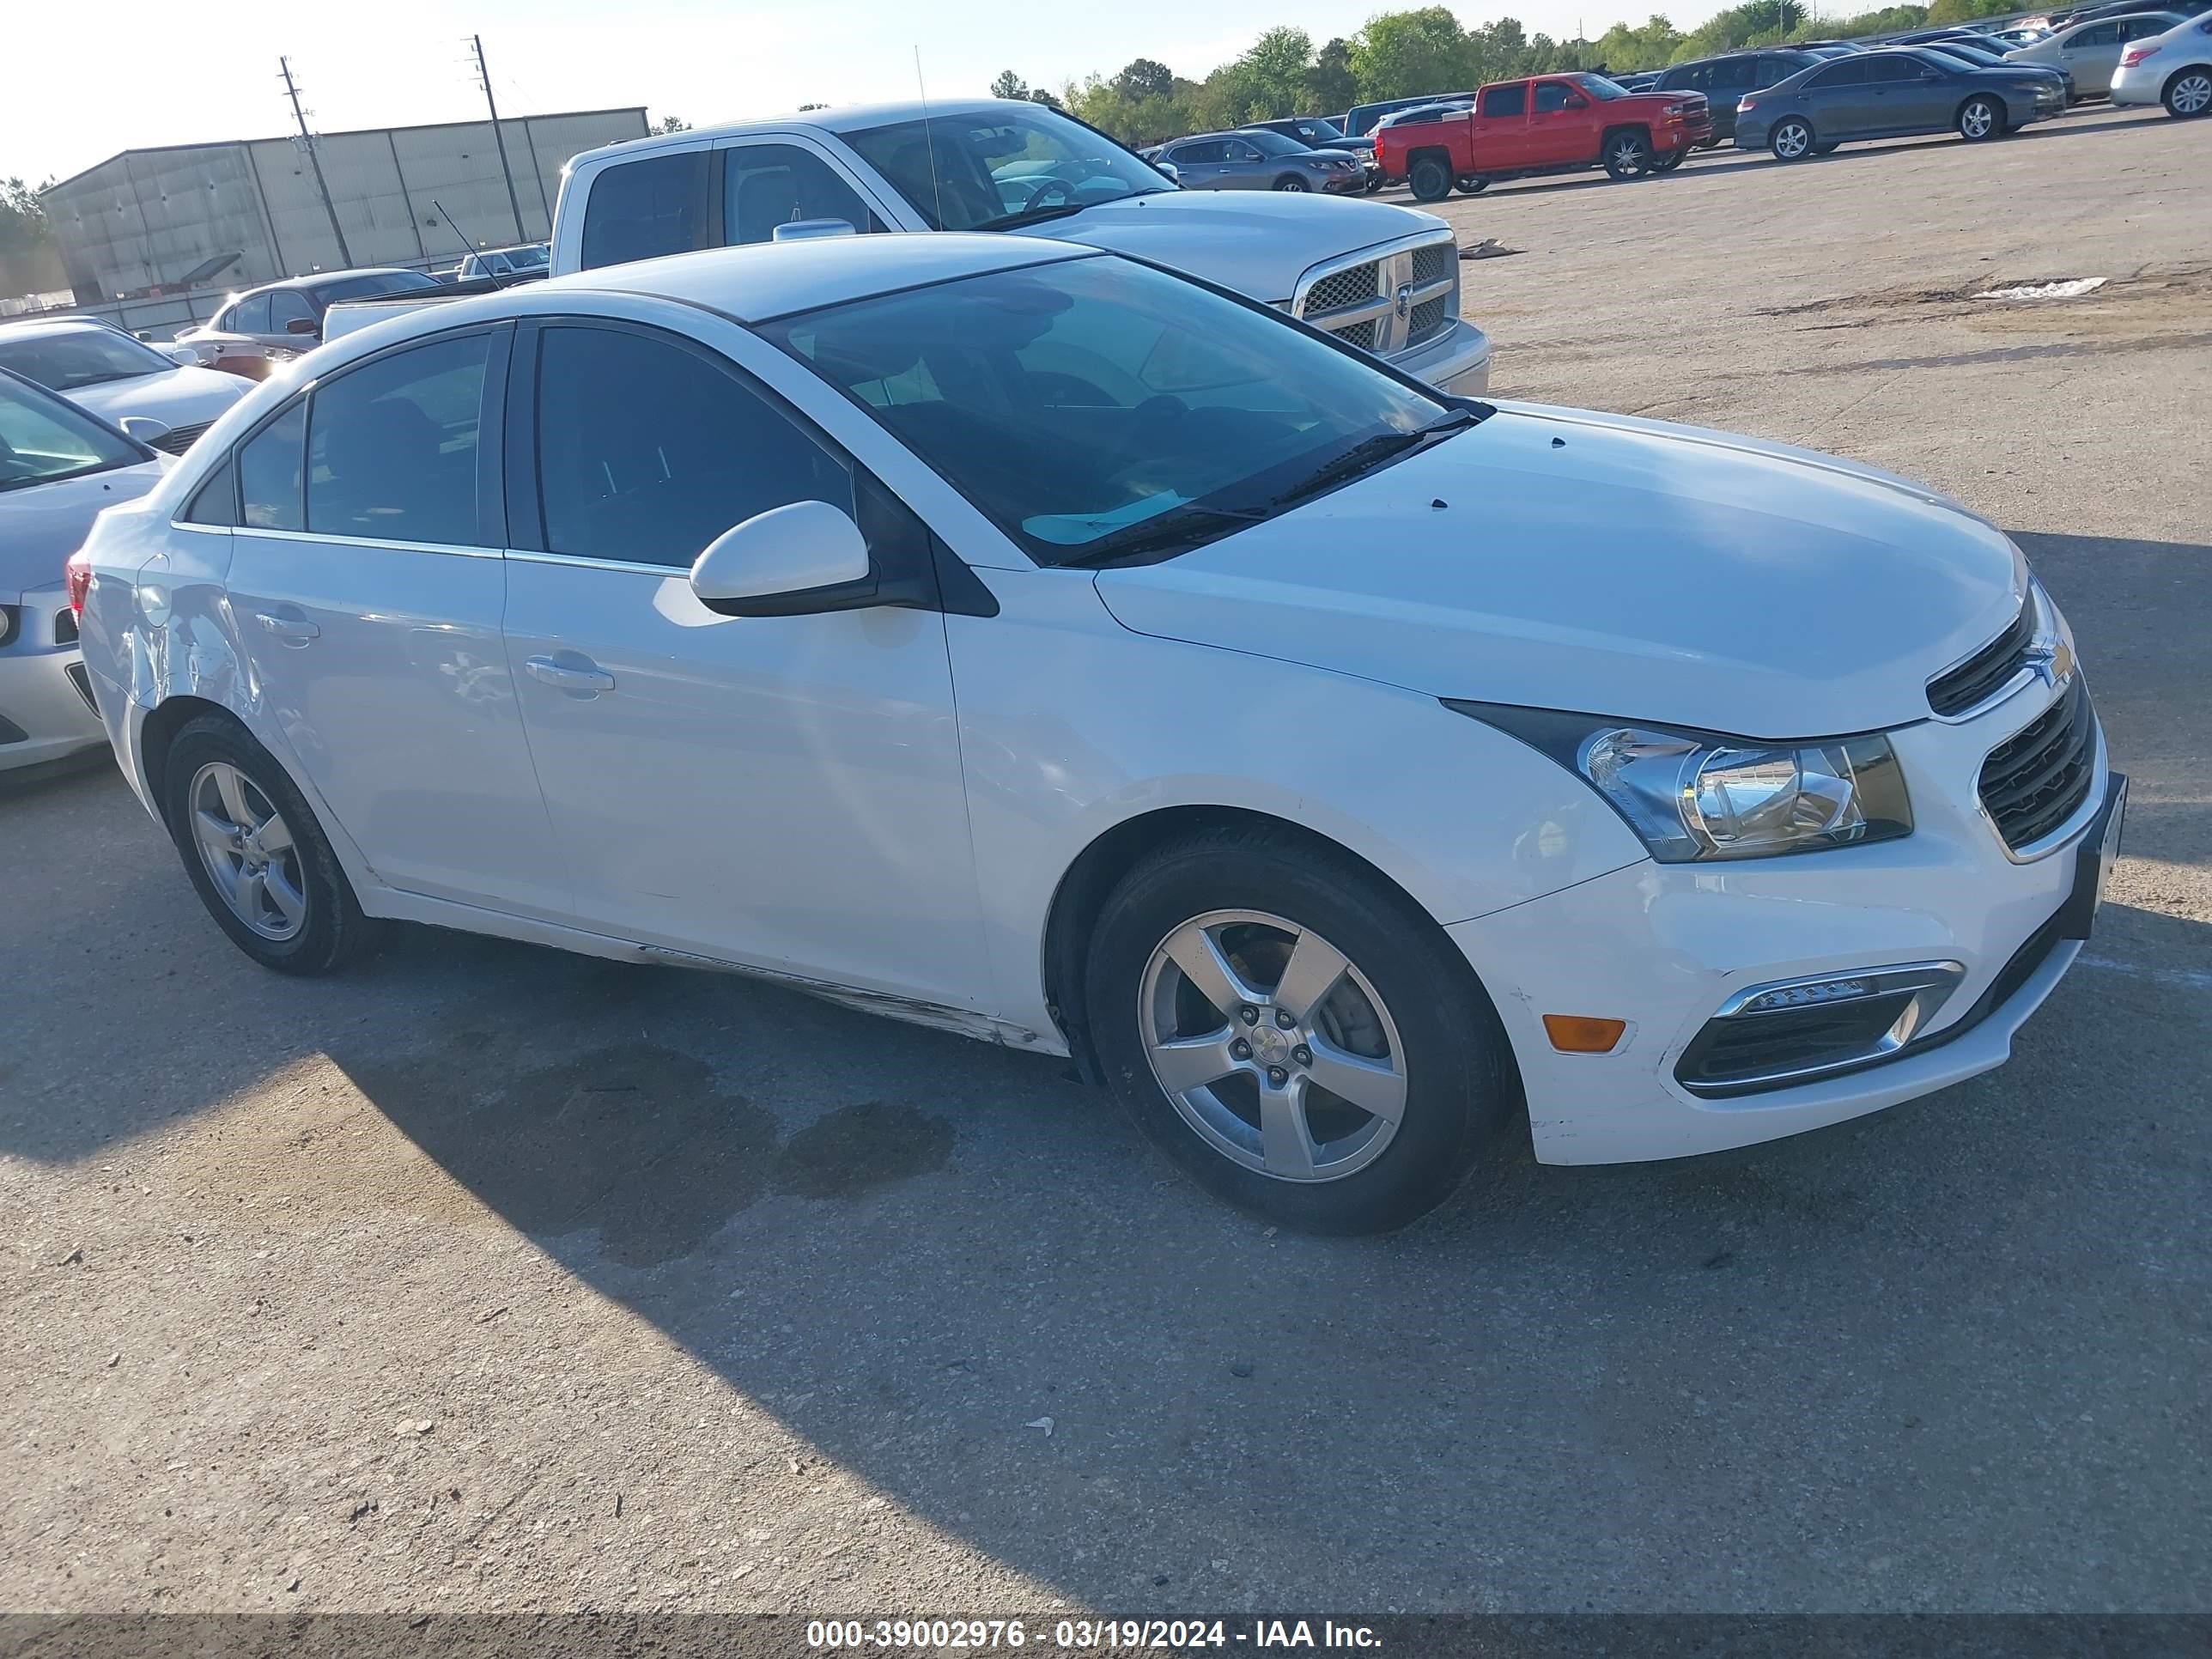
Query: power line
point(315, 160)
point(483, 79)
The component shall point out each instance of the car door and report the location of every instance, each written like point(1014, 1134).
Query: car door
point(1502, 140)
point(1202, 165)
point(1838, 101)
point(781, 792)
point(288, 306)
point(2090, 55)
point(1559, 125)
point(1906, 95)
point(1245, 167)
point(368, 587)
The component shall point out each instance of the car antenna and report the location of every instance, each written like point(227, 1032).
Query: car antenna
point(936, 179)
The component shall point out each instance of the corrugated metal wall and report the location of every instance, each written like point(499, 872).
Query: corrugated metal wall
point(149, 217)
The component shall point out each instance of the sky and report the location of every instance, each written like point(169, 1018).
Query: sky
point(154, 74)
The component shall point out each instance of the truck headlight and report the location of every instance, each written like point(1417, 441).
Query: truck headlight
point(1698, 796)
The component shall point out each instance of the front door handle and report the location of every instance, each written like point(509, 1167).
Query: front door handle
point(291, 630)
point(570, 676)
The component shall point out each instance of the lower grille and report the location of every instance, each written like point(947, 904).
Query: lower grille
point(2035, 780)
point(1729, 1051)
point(1434, 261)
point(179, 439)
point(11, 732)
point(64, 627)
point(79, 677)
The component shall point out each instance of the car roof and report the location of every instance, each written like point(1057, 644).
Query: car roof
point(322, 277)
point(18, 325)
point(853, 118)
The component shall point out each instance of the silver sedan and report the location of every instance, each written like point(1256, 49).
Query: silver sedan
point(2173, 68)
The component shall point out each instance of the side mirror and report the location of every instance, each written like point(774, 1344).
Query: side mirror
point(1167, 171)
point(790, 561)
point(302, 326)
point(808, 230)
point(145, 429)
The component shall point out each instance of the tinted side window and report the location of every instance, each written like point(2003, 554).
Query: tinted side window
point(647, 451)
point(251, 316)
point(2137, 28)
point(1885, 71)
point(1237, 150)
point(1736, 75)
point(644, 209)
point(2105, 35)
point(283, 306)
point(1677, 79)
point(1846, 72)
point(392, 447)
point(215, 502)
point(269, 471)
point(1506, 100)
point(765, 185)
point(1550, 96)
point(1195, 155)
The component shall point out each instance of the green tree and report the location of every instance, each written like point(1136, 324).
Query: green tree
point(1331, 87)
point(671, 124)
point(30, 263)
point(1401, 54)
point(1009, 85)
point(1275, 72)
point(1142, 78)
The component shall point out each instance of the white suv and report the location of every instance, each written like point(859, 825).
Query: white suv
point(1386, 278)
point(994, 633)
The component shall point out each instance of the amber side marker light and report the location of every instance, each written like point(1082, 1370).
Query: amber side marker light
point(1579, 1034)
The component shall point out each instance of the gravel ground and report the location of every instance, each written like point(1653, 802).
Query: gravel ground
point(491, 1278)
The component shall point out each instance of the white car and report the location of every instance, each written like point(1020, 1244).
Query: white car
point(2173, 68)
point(2091, 51)
point(1025, 641)
point(104, 370)
point(60, 469)
point(526, 260)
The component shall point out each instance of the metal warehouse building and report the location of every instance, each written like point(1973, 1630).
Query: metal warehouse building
point(247, 212)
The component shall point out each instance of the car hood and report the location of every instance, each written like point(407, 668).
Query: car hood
point(1257, 243)
point(41, 524)
point(1555, 559)
point(183, 397)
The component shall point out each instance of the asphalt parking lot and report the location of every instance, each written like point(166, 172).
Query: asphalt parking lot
point(491, 1277)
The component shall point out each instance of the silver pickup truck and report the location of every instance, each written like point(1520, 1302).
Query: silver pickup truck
point(1385, 278)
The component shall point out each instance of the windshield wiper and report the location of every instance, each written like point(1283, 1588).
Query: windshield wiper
point(1031, 216)
point(1371, 452)
point(1180, 527)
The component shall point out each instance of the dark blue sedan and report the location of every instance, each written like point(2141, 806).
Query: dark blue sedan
point(1891, 95)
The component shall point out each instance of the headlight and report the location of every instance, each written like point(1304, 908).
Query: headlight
point(1693, 796)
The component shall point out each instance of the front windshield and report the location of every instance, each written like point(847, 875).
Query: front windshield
point(63, 359)
point(1327, 132)
point(984, 171)
point(1094, 407)
point(1269, 142)
point(533, 258)
point(43, 438)
point(1598, 86)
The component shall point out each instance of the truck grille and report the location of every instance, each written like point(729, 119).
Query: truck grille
point(1387, 303)
point(1972, 681)
point(179, 439)
point(2036, 780)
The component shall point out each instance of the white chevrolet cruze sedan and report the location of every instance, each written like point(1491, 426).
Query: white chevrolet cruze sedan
point(1033, 643)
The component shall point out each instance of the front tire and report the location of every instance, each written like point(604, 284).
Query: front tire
point(1289, 181)
point(1670, 160)
point(1792, 139)
point(1295, 1034)
point(256, 855)
point(1474, 186)
point(1431, 179)
point(1981, 119)
point(2189, 94)
point(1627, 154)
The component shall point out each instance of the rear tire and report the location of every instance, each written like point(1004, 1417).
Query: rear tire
point(1627, 154)
point(1403, 1023)
point(2189, 94)
point(1431, 179)
point(1981, 119)
point(1792, 139)
point(291, 909)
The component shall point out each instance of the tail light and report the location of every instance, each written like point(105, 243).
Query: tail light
point(1743, 104)
point(79, 571)
point(2134, 55)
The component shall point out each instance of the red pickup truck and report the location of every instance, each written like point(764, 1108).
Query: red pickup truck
point(1548, 124)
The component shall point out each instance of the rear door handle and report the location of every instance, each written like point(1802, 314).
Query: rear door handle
point(291, 630)
point(570, 676)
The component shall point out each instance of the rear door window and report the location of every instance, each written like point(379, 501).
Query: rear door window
point(270, 472)
point(391, 449)
point(1506, 101)
point(644, 209)
point(251, 316)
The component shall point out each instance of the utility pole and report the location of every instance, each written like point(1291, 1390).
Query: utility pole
point(307, 142)
point(484, 78)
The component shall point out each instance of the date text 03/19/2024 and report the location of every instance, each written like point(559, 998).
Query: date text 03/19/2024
point(1087, 1635)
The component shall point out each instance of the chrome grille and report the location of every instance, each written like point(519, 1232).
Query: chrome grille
point(1345, 288)
point(1386, 303)
point(179, 439)
point(2036, 780)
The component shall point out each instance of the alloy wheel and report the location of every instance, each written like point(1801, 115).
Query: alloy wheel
point(1273, 1046)
point(1977, 120)
point(248, 851)
point(2191, 95)
point(1791, 140)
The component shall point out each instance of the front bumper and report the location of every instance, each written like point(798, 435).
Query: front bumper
point(1457, 361)
point(40, 698)
point(1668, 947)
